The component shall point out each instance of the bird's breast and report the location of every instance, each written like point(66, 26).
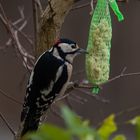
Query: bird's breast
point(69, 72)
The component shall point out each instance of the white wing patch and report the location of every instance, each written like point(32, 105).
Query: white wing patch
point(31, 79)
point(45, 92)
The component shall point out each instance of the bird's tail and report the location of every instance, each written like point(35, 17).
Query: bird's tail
point(29, 124)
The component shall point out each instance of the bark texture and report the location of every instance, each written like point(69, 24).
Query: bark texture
point(51, 23)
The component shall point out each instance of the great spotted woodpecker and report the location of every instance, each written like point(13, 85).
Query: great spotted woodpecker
point(49, 78)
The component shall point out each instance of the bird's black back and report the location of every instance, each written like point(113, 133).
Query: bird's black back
point(45, 71)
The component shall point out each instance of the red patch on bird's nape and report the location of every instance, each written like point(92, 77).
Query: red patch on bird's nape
point(57, 41)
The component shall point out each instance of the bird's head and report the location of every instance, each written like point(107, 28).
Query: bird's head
point(67, 49)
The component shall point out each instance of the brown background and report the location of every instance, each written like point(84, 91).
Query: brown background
point(122, 93)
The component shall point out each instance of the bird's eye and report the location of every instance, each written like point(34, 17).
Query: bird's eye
point(73, 46)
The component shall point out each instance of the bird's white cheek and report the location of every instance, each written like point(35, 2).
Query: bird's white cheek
point(70, 58)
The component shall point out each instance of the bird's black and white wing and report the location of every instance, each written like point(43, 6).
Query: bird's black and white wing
point(46, 81)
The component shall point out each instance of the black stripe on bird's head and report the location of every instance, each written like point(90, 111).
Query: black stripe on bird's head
point(67, 49)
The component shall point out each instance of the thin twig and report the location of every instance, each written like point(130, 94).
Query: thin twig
point(60, 98)
point(36, 21)
point(23, 34)
point(69, 103)
point(92, 95)
point(68, 96)
point(39, 6)
point(14, 25)
point(9, 97)
point(82, 99)
point(76, 86)
point(80, 6)
point(89, 4)
point(55, 112)
point(123, 74)
point(24, 55)
point(129, 110)
point(22, 50)
point(7, 124)
point(2, 10)
point(74, 99)
point(80, 86)
point(22, 17)
point(121, 113)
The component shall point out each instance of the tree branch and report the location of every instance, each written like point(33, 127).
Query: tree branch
point(7, 124)
point(28, 60)
point(36, 17)
point(10, 97)
point(122, 74)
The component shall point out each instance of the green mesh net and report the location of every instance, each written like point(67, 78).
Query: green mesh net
point(99, 43)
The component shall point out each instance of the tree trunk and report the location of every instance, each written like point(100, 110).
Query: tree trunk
point(51, 23)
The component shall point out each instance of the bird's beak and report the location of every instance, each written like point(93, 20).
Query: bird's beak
point(82, 51)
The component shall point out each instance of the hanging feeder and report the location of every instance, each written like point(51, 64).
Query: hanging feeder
point(99, 43)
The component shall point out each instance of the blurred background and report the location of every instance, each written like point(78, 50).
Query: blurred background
point(123, 93)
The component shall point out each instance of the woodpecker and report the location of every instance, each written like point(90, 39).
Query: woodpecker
point(49, 78)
